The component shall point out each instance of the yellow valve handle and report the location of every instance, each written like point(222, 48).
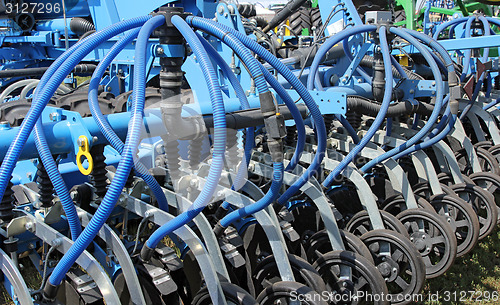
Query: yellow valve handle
point(84, 151)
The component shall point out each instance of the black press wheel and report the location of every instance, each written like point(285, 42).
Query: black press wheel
point(396, 204)
point(462, 219)
point(360, 223)
point(364, 279)
point(290, 292)
point(487, 161)
point(399, 263)
point(483, 204)
point(232, 293)
point(495, 151)
point(433, 238)
point(490, 183)
point(266, 273)
point(447, 180)
point(319, 244)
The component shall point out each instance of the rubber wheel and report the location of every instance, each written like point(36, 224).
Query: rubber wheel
point(491, 184)
point(315, 16)
point(495, 151)
point(398, 261)
point(232, 293)
point(287, 292)
point(266, 272)
point(365, 279)
point(447, 180)
point(462, 219)
point(434, 239)
point(483, 204)
point(319, 244)
point(487, 161)
point(484, 145)
point(424, 190)
point(399, 16)
point(360, 224)
point(300, 20)
point(261, 22)
point(396, 204)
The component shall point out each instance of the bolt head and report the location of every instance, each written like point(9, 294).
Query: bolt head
point(54, 116)
point(160, 50)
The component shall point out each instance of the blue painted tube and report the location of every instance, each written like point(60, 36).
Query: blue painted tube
point(431, 141)
point(479, 84)
point(350, 130)
point(489, 85)
point(491, 104)
point(56, 76)
point(299, 87)
point(103, 124)
point(388, 127)
point(57, 181)
point(299, 122)
point(360, 70)
point(219, 137)
point(486, 32)
point(125, 165)
point(445, 25)
point(437, 108)
point(329, 43)
point(240, 93)
point(379, 119)
point(283, 94)
point(398, 67)
point(442, 123)
point(244, 54)
point(494, 21)
point(268, 198)
point(468, 52)
point(452, 78)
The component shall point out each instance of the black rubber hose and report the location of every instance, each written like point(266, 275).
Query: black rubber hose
point(365, 106)
point(251, 117)
point(80, 26)
point(290, 7)
point(85, 69)
point(367, 62)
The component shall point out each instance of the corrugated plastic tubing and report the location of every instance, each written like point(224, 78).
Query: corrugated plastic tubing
point(319, 123)
point(385, 102)
point(219, 137)
point(437, 108)
point(56, 76)
point(126, 162)
point(103, 124)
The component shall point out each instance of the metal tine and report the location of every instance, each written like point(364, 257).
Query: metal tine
point(13, 275)
point(317, 196)
point(48, 234)
point(186, 234)
point(114, 243)
point(273, 233)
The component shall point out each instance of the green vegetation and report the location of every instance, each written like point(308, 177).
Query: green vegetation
point(476, 274)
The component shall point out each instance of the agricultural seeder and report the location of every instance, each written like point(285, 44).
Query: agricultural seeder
point(193, 152)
